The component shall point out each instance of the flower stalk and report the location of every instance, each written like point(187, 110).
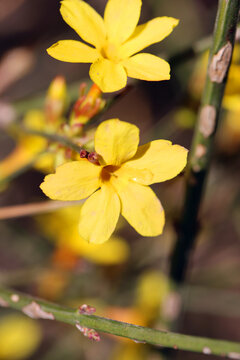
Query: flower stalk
point(37, 308)
point(15, 211)
point(205, 130)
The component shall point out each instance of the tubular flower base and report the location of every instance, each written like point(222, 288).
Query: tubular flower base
point(122, 173)
point(115, 40)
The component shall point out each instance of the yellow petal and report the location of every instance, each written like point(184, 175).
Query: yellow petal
point(232, 102)
point(147, 67)
point(163, 159)
point(19, 337)
point(141, 176)
point(140, 207)
point(75, 180)
point(121, 18)
point(116, 141)
point(114, 251)
point(233, 86)
point(62, 227)
point(85, 21)
point(155, 283)
point(108, 75)
point(35, 120)
point(127, 350)
point(29, 146)
point(99, 215)
point(17, 159)
point(147, 34)
point(45, 163)
point(73, 51)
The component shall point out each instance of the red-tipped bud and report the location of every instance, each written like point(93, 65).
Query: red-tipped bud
point(89, 333)
point(86, 309)
point(93, 157)
point(83, 154)
point(87, 105)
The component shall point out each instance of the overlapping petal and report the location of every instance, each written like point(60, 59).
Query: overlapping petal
point(20, 337)
point(116, 141)
point(114, 251)
point(232, 102)
point(149, 33)
point(147, 67)
point(140, 207)
point(121, 18)
point(85, 21)
point(233, 83)
point(163, 159)
point(73, 51)
point(75, 180)
point(99, 215)
point(116, 38)
point(108, 75)
point(141, 176)
point(16, 160)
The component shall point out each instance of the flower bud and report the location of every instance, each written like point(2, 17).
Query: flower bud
point(87, 105)
point(83, 154)
point(56, 99)
point(93, 158)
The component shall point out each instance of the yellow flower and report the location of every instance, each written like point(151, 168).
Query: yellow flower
point(29, 148)
point(19, 337)
point(155, 283)
point(62, 228)
point(123, 174)
point(32, 149)
point(114, 39)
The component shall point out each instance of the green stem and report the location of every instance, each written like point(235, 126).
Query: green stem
point(37, 308)
point(68, 142)
point(63, 140)
point(205, 129)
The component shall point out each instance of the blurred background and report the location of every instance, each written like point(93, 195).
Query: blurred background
point(128, 278)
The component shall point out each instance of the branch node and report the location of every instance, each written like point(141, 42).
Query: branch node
point(207, 120)
point(207, 350)
point(234, 355)
point(200, 151)
point(3, 302)
point(86, 309)
point(35, 311)
point(89, 333)
point(220, 63)
point(15, 298)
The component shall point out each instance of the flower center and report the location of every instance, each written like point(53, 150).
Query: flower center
point(111, 52)
point(107, 172)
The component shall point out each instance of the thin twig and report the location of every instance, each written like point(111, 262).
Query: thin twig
point(37, 308)
point(63, 140)
point(203, 140)
point(15, 211)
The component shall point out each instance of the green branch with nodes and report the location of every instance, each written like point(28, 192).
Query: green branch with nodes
point(90, 324)
point(204, 135)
